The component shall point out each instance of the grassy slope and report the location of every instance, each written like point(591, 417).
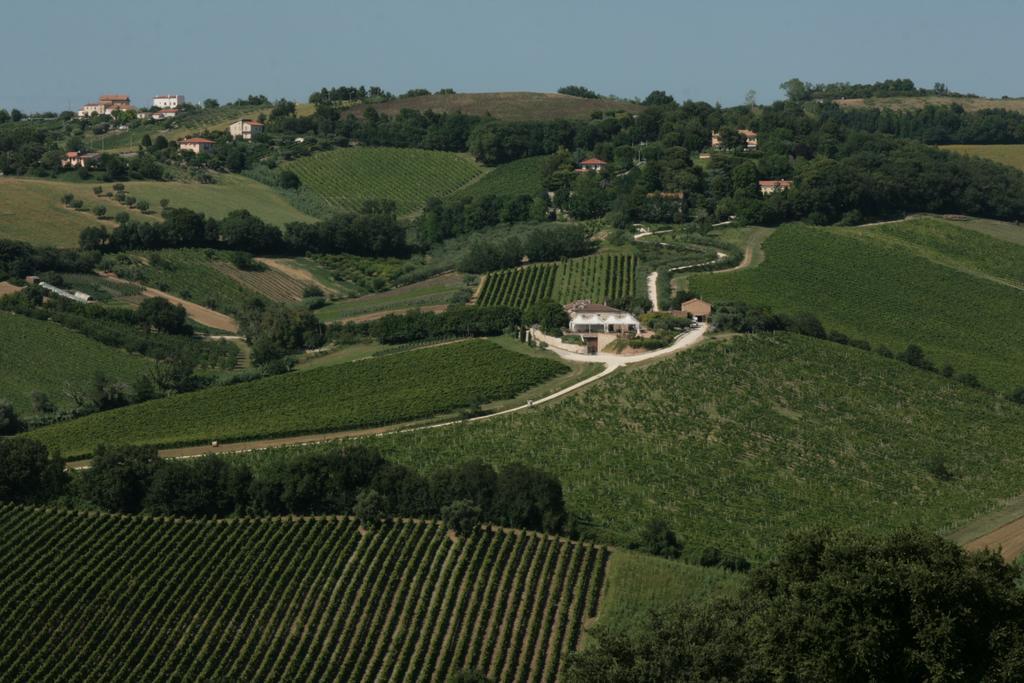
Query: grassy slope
point(138, 598)
point(44, 356)
point(738, 443)
point(873, 284)
point(229, 193)
point(513, 106)
point(345, 178)
point(909, 103)
point(396, 388)
point(518, 177)
point(1011, 155)
point(31, 211)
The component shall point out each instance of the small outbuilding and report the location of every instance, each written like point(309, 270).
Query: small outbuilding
point(592, 165)
point(698, 309)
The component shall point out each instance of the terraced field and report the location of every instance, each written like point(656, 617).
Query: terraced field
point(345, 178)
point(36, 355)
point(954, 292)
point(120, 598)
point(599, 278)
point(392, 389)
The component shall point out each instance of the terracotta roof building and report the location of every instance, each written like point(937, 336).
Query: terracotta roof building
point(773, 186)
point(592, 164)
point(698, 309)
point(195, 145)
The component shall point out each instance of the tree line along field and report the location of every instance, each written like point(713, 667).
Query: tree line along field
point(954, 292)
point(405, 386)
point(599, 278)
point(736, 443)
point(103, 597)
point(524, 176)
point(37, 355)
point(510, 106)
point(345, 178)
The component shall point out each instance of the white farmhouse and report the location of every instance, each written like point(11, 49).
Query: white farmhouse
point(168, 101)
point(586, 317)
point(246, 129)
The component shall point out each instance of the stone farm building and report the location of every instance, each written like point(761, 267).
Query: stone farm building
point(79, 159)
point(773, 186)
point(245, 129)
point(108, 104)
point(195, 145)
point(586, 317)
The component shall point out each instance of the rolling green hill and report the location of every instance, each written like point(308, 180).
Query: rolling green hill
point(184, 125)
point(345, 178)
point(1011, 155)
point(512, 106)
point(405, 386)
point(956, 293)
point(122, 598)
point(738, 443)
point(43, 356)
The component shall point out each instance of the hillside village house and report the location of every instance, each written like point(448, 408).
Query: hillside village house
point(773, 186)
point(245, 129)
point(698, 309)
point(748, 135)
point(587, 317)
point(592, 164)
point(79, 160)
point(168, 101)
point(108, 104)
point(195, 145)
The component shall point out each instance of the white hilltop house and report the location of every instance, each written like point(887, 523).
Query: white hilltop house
point(168, 101)
point(587, 318)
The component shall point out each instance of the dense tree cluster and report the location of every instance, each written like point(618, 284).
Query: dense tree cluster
point(798, 90)
point(457, 321)
point(837, 606)
point(541, 243)
point(18, 259)
point(134, 479)
point(275, 331)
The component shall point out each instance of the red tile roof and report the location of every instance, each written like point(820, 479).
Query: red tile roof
point(189, 141)
point(593, 162)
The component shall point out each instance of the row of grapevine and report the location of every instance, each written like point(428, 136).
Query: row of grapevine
point(346, 177)
point(98, 597)
point(600, 278)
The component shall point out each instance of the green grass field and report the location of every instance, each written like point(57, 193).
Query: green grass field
point(954, 292)
point(345, 178)
point(198, 275)
point(31, 211)
point(136, 598)
point(391, 389)
point(230, 192)
point(44, 356)
point(1011, 155)
point(738, 443)
point(515, 178)
point(435, 291)
point(511, 106)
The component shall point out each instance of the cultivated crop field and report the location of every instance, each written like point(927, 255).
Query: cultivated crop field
point(598, 278)
point(404, 386)
point(953, 292)
point(36, 355)
point(345, 178)
point(738, 443)
point(121, 598)
point(198, 275)
point(524, 176)
point(269, 282)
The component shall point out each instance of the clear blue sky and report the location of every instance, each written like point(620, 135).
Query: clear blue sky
point(58, 54)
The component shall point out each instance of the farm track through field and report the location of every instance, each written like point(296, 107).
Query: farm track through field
point(201, 314)
point(1007, 539)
